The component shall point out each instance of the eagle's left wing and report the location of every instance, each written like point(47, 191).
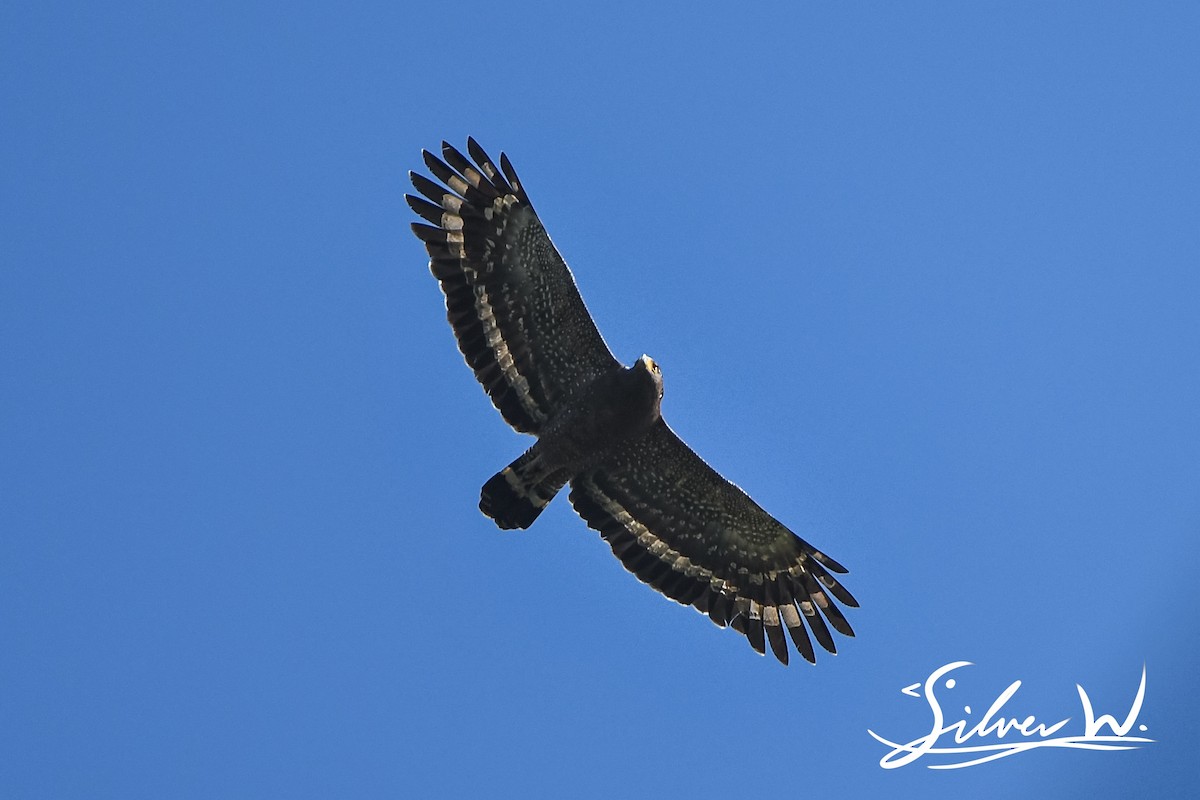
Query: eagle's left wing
point(679, 526)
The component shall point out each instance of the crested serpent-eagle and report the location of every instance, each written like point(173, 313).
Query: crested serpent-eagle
point(672, 520)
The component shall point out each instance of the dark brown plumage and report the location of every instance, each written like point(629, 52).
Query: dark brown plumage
point(670, 518)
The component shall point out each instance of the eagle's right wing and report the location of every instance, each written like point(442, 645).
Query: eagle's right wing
point(517, 315)
point(679, 526)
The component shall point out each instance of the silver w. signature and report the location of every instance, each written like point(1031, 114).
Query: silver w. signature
point(1033, 734)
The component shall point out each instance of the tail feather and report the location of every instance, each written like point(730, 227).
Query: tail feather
point(516, 495)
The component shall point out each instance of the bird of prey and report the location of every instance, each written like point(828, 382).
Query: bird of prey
point(672, 520)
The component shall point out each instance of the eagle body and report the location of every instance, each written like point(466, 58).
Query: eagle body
point(619, 405)
point(671, 520)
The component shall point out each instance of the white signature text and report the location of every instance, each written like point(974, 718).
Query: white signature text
point(1023, 733)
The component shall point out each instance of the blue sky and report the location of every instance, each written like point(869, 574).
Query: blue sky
point(922, 278)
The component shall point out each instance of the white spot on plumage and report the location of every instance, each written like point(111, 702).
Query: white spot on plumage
point(791, 617)
point(473, 177)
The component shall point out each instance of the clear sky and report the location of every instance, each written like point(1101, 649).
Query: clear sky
point(921, 277)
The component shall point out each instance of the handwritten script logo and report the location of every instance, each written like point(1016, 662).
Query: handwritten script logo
point(1033, 734)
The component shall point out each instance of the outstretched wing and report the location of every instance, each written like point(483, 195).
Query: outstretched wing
point(518, 318)
point(677, 525)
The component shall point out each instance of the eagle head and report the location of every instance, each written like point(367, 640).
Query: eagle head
point(646, 366)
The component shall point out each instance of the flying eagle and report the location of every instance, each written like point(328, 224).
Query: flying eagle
point(672, 520)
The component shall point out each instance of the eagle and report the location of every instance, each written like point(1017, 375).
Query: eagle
point(670, 519)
